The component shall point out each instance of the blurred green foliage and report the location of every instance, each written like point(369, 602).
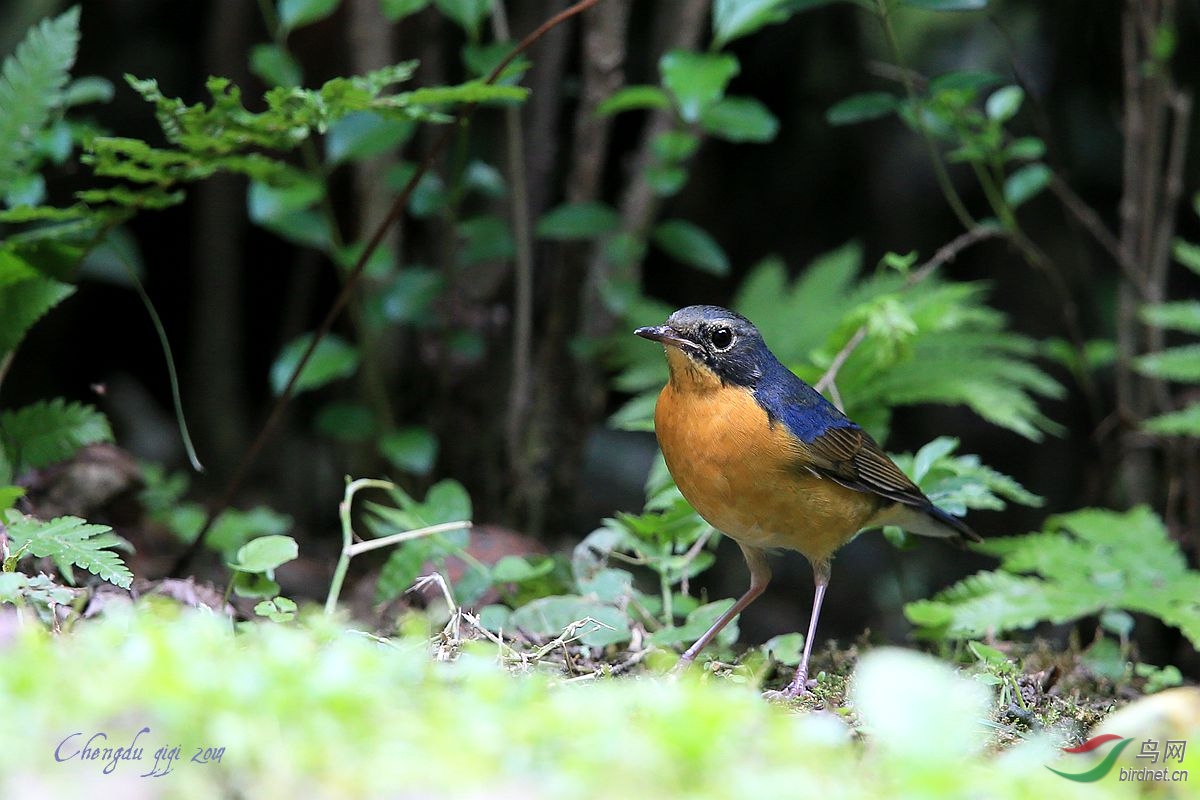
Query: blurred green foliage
point(377, 717)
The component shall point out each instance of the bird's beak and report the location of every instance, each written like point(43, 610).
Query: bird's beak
point(668, 336)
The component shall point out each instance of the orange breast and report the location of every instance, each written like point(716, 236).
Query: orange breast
point(740, 473)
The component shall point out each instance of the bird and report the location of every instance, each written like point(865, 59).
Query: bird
point(767, 460)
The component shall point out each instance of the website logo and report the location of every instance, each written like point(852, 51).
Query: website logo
point(1172, 751)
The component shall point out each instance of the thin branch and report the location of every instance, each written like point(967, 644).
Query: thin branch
point(948, 252)
point(827, 380)
point(343, 296)
point(945, 254)
point(1091, 222)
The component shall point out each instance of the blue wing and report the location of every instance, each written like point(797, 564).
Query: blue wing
point(832, 446)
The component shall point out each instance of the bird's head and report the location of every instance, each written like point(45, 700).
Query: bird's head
point(710, 345)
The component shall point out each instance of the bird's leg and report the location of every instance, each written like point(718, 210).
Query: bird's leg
point(760, 576)
point(799, 684)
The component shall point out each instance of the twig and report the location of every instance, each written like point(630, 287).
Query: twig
point(351, 548)
point(945, 254)
point(343, 296)
point(1091, 222)
point(827, 380)
point(948, 252)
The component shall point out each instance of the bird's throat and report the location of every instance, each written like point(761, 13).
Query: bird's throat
point(689, 375)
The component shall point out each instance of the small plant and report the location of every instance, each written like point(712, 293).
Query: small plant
point(254, 575)
point(70, 543)
point(1081, 564)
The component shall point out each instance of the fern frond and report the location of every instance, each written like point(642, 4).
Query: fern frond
point(48, 431)
point(1180, 364)
point(1083, 563)
point(1185, 422)
point(31, 85)
point(71, 541)
point(958, 483)
point(23, 302)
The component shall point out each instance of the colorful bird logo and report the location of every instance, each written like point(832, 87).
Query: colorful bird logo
point(1100, 770)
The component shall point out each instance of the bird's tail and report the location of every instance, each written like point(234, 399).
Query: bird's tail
point(932, 521)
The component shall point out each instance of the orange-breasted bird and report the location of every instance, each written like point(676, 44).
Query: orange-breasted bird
point(765, 459)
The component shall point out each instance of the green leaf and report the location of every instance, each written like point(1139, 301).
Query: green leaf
point(401, 569)
point(1187, 253)
point(515, 569)
point(574, 221)
point(24, 303)
point(396, 10)
point(91, 89)
point(365, 134)
point(1004, 103)
point(277, 609)
point(629, 98)
point(947, 5)
point(691, 245)
point(31, 84)
point(270, 204)
point(696, 80)
point(963, 80)
point(411, 449)
point(487, 238)
point(47, 432)
point(265, 554)
point(740, 119)
point(236, 527)
point(345, 421)
point(732, 19)
point(674, 146)
point(275, 66)
point(1082, 564)
point(1026, 183)
point(482, 60)
point(1183, 315)
point(9, 495)
point(484, 178)
point(333, 359)
point(298, 13)
point(698, 622)
point(1180, 364)
point(408, 298)
point(1029, 148)
point(862, 107)
point(72, 541)
point(254, 584)
point(467, 14)
point(666, 181)
point(1185, 422)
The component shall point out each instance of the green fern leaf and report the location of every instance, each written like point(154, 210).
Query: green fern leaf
point(1185, 422)
point(1082, 564)
point(23, 302)
point(49, 431)
point(31, 85)
point(1180, 364)
point(71, 541)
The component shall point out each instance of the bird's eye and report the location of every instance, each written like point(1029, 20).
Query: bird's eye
point(721, 338)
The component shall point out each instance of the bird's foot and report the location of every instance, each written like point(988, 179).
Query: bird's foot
point(800, 686)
